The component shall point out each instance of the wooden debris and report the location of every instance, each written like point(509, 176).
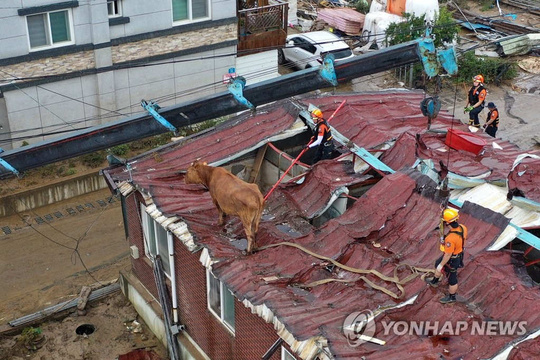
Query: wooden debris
point(83, 299)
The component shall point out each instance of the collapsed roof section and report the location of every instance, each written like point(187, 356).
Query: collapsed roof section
point(523, 186)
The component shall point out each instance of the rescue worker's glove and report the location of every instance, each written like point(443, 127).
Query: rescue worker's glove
point(306, 147)
point(468, 108)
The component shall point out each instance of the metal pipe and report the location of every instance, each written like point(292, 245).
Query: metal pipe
point(411, 75)
point(268, 354)
point(170, 245)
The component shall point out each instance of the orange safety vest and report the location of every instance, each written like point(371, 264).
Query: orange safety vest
point(454, 241)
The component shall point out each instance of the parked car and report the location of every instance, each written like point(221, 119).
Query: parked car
point(306, 50)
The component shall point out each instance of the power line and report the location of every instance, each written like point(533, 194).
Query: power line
point(114, 113)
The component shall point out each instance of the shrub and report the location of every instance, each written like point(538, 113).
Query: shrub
point(486, 5)
point(120, 150)
point(69, 172)
point(31, 337)
point(150, 142)
point(361, 6)
point(48, 170)
point(494, 70)
point(94, 159)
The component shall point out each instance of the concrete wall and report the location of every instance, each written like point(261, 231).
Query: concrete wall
point(5, 131)
point(142, 301)
point(258, 67)
point(43, 196)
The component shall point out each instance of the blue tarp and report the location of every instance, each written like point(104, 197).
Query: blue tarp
point(473, 26)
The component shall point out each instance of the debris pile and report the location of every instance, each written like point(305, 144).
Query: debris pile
point(347, 20)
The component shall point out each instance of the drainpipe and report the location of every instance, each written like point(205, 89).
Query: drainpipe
point(170, 238)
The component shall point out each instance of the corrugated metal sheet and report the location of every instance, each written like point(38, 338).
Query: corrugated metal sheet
point(325, 179)
point(524, 178)
point(401, 219)
point(401, 213)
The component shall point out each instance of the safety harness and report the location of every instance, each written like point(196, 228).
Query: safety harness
point(495, 123)
point(474, 94)
point(327, 136)
point(456, 256)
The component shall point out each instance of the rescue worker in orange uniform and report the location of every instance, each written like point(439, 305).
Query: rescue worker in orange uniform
point(452, 246)
point(324, 143)
point(492, 120)
point(475, 100)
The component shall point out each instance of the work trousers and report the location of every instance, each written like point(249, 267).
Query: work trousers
point(324, 151)
point(451, 268)
point(491, 130)
point(473, 116)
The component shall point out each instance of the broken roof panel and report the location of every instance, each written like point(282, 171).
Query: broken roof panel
point(229, 139)
point(400, 219)
point(321, 184)
point(524, 178)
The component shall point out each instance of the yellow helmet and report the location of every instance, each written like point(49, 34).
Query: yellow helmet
point(450, 215)
point(317, 113)
point(478, 78)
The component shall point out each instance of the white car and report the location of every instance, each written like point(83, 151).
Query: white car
point(306, 50)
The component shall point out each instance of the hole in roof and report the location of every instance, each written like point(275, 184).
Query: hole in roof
point(240, 244)
point(285, 228)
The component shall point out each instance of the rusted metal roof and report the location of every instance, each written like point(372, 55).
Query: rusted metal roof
point(228, 139)
point(400, 219)
point(400, 213)
point(328, 178)
point(523, 180)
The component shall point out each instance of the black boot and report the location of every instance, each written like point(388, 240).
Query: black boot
point(434, 281)
point(450, 298)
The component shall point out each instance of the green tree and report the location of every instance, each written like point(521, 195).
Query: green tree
point(445, 29)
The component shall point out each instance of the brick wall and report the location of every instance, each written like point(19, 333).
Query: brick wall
point(253, 336)
point(141, 267)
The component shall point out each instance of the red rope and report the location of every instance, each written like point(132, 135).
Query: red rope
point(532, 262)
point(299, 156)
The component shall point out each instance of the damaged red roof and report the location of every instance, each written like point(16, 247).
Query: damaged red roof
point(524, 181)
point(403, 220)
point(395, 222)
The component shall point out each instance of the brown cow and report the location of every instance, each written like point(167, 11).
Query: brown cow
point(231, 195)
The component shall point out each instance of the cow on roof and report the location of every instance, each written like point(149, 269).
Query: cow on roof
point(231, 196)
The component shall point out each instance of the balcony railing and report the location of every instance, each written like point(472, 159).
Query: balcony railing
point(262, 27)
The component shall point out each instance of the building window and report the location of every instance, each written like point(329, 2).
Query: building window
point(50, 29)
point(286, 355)
point(114, 8)
point(220, 301)
point(190, 10)
point(155, 240)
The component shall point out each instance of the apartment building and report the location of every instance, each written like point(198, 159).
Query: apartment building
point(68, 65)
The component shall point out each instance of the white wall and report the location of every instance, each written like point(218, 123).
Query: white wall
point(88, 100)
point(258, 67)
point(91, 23)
